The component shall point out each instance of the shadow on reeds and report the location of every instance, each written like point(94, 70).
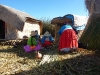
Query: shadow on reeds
point(21, 52)
point(80, 65)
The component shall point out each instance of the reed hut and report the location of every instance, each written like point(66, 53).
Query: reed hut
point(15, 24)
point(92, 6)
point(57, 24)
point(91, 33)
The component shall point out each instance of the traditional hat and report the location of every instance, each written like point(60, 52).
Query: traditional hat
point(32, 33)
point(47, 33)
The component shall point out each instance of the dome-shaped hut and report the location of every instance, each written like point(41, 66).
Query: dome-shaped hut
point(15, 24)
point(91, 34)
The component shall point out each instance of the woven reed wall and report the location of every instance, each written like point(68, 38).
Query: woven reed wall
point(91, 34)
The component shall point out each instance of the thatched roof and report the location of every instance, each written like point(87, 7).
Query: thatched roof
point(92, 5)
point(14, 17)
point(60, 20)
point(91, 19)
point(91, 33)
point(56, 20)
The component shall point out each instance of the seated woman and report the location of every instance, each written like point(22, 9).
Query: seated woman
point(47, 40)
point(32, 43)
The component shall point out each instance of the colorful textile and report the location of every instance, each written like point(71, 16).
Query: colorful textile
point(68, 39)
point(28, 48)
point(65, 27)
point(47, 44)
point(32, 44)
point(32, 41)
point(38, 47)
point(44, 37)
point(32, 47)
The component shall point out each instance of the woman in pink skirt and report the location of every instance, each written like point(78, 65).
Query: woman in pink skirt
point(33, 43)
point(68, 38)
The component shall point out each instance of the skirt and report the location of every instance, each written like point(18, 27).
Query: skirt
point(68, 39)
point(28, 48)
point(47, 44)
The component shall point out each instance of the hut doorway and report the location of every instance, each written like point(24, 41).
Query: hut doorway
point(2, 29)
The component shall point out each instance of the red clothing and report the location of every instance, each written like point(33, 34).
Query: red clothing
point(68, 39)
point(47, 44)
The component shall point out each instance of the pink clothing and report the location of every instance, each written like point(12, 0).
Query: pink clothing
point(28, 48)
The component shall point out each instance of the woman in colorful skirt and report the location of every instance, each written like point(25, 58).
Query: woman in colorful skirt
point(33, 43)
point(47, 40)
point(68, 38)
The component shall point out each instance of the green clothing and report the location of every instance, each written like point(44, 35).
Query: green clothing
point(32, 41)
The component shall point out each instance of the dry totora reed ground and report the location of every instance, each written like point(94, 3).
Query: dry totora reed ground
point(14, 61)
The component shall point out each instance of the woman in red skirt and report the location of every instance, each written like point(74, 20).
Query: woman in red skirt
point(47, 40)
point(68, 38)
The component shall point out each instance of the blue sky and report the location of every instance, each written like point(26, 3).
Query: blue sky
point(48, 8)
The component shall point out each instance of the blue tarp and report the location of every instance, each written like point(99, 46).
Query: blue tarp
point(70, 16)
point(81, 27)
